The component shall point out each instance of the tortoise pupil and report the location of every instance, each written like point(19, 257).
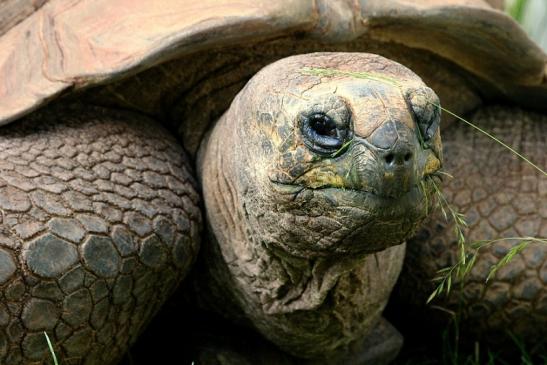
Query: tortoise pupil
point(323, 125)
point(321, 134)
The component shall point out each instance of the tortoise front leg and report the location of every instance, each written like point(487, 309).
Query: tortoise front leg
point(99, 223)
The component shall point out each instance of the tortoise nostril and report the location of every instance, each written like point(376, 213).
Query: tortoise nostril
point(408, 156)
point(398, 158)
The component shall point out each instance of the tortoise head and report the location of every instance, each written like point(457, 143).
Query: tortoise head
point(330, 153)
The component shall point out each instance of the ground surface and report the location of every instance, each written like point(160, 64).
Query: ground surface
point(190, 335)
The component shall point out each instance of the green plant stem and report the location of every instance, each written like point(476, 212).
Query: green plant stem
point(50, 346)
point(359, 75)
point(468, 252)
point(492, 137)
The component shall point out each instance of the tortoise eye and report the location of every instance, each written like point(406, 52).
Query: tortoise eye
point(321, 133)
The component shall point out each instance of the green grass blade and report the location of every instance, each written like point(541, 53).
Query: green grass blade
point(342, 149)
point(489, 135)
point(317, 71)
point(50, 346)
point(507, 258)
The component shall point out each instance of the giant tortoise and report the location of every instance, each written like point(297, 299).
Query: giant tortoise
point(313, 174)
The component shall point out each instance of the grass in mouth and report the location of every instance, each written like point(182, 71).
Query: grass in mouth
point(467, 251)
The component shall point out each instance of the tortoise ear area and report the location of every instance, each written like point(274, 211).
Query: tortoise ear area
point(426, 108)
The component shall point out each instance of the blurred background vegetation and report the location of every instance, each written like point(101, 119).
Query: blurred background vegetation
point(532, 15)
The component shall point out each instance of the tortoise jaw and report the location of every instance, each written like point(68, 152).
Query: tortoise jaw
point(297, 188)
point(373, 222)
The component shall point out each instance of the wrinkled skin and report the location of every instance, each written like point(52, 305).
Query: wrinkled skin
point(311, 183)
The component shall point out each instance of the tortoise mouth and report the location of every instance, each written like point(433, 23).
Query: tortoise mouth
point(363, 204)
point(378, 197)
point(415, 191)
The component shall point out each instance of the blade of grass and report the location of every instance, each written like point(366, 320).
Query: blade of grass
point(342, 149)
point(515, 152)
point(469, 251)
point(507, 258)
point(50, 346)
point(317, 71)
point(525, 357)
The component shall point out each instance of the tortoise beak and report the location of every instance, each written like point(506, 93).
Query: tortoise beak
point(396, 154)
